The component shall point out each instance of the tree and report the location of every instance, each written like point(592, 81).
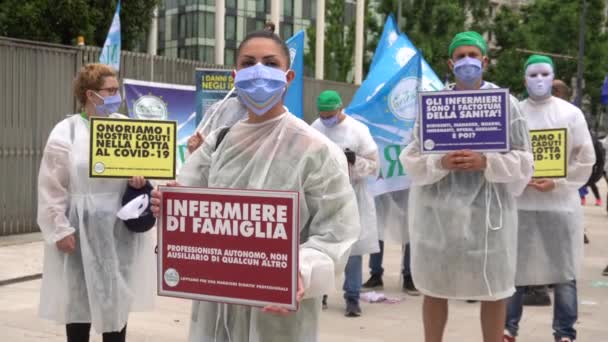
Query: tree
point(340, 42)
point(57, 21)
point(551, 26)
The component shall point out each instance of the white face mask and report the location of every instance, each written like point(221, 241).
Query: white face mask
point(539, 80)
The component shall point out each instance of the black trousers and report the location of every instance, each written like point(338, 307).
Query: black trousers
point(79, 332)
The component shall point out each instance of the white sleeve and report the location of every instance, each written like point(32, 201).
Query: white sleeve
point(195, 171)
point(53, 188)
point(366, 162)
point(582, 154)
point(516, 167)
point(423, 169)
point(333, 225)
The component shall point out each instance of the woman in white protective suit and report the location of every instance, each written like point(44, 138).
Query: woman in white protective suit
point(550, 240)
point(275, 150)
point(463, 217)
point(361, 153)
point(96, 271)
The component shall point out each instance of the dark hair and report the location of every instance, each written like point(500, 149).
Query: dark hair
point(269, 26)
point(267, 35)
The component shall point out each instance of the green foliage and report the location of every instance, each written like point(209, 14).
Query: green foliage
point(551, 26)
point(61, 21)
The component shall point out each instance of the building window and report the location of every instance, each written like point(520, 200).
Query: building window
point(172, 27)
point(230, 28)
point(262, 6)
point(182, 26)
point(309, 9)
point(206, 24)
point(286, 30)
point(231, 4)
point(254, 25)
point(230, 57)
point(161, 29)
point(288, 8)
point(210, 24)
point(206, 53)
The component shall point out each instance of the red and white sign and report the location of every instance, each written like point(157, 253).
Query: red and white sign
point(229, 246)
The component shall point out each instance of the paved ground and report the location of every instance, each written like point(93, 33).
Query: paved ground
point(22, 256)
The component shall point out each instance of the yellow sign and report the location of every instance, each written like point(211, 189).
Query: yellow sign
point(550, 155)
point(122, 148)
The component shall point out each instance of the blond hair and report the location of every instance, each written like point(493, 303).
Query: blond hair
point(90, 77)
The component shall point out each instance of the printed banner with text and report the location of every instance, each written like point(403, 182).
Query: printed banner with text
point(163, 101)
point(122, 148)
point(212, 85)
point(475, 120)
point(549, 149)
point(229, 246)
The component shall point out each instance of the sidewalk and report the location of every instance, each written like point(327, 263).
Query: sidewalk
point(21, 257)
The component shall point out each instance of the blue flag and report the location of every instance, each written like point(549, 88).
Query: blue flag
point(389, 111)
point(390, 33)
point(295, 92)
point(110, 54)
point(604, 98)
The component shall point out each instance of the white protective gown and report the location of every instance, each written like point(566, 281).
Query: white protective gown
point(280, 154)
point(111, 272)
point(391, 214)
point(550, 241)
point(228, 113)
point(353, 135)
point(463, 225)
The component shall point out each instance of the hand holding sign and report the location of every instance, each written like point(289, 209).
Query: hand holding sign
point(156, 200)
point(137, 182)
point(195, 141)
point(464, 160)
point(281, 311)
point(542, 184)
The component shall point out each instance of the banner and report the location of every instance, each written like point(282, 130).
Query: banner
point(229, 246)
point(475, 120)
point(212, 85)
point(390, 113)
point(162, 101)
point(295, 92)
point(110, 53)
point(387, 102)
point(122, 148)
point(549, 147)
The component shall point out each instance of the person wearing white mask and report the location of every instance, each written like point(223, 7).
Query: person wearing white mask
point(274, 150)
point(463, 218)
point(361, 153)
point(550, 240)
point(97, 269)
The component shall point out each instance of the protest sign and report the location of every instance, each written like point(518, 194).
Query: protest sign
point(122, 148)
point(464, 120)
point(229, 246)
point(212, 85)
point(549, 147)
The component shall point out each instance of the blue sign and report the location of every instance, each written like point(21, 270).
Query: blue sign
point(212, 85)
point(110, 54)
point(295, 92)
point(475, 120)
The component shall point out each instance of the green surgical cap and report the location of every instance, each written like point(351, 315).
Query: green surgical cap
point(537, 59)
point(329, 100)
point(467, 38)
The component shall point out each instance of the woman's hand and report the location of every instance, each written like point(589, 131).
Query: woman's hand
point(281, 311)
point(156, 200)
point(195, 141)
point(67, 244)
point(137, 182)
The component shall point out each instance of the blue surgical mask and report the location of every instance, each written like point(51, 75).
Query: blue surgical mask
point(110, 104)
point(260, 87)
point(330, 121)
point(468, 70)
